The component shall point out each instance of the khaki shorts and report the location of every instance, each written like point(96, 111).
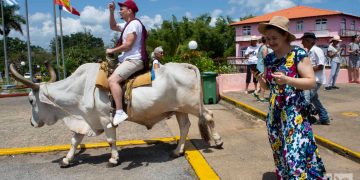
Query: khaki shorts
point(129, 67)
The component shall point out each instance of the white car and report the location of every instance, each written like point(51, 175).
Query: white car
point(27, 75)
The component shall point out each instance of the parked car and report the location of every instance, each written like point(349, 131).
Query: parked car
point(27, 75)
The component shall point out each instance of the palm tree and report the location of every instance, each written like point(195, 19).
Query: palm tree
point(13, 20)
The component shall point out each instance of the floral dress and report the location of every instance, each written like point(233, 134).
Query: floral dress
point(291, 137)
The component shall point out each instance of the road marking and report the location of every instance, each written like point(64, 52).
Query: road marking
point(350, 114)
point(353, 155)
point(197, 161)
point(202, 169)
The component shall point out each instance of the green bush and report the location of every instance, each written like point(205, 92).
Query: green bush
point(202, 61)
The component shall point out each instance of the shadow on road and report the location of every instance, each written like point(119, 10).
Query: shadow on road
point(202, 145)
point(269, 176)
point(136, 156)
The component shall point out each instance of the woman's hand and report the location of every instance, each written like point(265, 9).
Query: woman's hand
point(280, 78)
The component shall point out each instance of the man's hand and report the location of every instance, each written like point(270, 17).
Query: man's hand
point(111, 7)
point(110, 51)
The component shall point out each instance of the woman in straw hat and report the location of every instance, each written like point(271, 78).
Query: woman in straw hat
point(288, 72)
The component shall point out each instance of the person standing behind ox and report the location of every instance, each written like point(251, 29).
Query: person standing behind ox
point(317, 59)
point(334, 52)
point(354, 59)
point(263, 51)
point(133, 57)
point(157, 56)
point(288, 72)
point(251, 54)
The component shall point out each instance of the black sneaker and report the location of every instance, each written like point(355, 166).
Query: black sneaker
point(328, 88)
point(325, 123)
point(335, 87)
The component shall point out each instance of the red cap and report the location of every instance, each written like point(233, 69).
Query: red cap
point(130, 4)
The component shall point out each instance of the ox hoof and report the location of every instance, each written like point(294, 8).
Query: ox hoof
point(64, 165)
point(111, 165)
point(220, 145)
point(176, 155)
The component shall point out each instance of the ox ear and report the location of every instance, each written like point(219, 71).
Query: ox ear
point(44, 98)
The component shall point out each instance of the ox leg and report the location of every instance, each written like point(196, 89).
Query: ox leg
point(208, 115)
point(111, 139)
point(75, 141)
point(184, 125)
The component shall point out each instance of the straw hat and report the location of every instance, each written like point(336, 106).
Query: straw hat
point(254, 38)
point(335, 38)
point(279, 22)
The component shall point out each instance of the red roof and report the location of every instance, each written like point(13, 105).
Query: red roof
point(291, 13)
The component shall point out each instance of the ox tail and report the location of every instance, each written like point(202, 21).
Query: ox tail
point(205, 116)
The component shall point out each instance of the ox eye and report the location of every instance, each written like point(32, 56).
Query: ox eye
point(31, 101)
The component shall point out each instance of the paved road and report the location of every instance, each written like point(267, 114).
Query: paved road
point(246, 153)
point(140, 162)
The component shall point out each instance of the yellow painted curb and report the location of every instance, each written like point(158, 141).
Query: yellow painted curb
point(338, 148)
point(194, 157)
point(245, 107)
point(43, 149)
point(353, 155)
point(199, 164)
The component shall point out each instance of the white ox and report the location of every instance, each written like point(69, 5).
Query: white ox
point(85, 109)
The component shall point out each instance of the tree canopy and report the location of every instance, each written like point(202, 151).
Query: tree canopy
point(79, 48)
point(174, 35)
point(13, 21)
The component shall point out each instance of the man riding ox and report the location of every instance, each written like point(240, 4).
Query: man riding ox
point(133, 48)
point(85, 109)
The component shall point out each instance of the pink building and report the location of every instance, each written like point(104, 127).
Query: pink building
point(324, 23)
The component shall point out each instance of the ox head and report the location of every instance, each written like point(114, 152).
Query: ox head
point(40, 111)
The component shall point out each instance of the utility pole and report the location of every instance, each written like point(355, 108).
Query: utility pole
point(56, 43)
point(4, 41)
point(62, 44)
point(28, 40)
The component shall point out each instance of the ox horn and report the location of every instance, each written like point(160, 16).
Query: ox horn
point(51, 71)
point(21, 78)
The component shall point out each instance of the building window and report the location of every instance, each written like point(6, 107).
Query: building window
point(321, 24)
point(343, 24)
point(242, 51)
point(299, 26)
point(246, 30)
point(342, 27)
point(352, 25)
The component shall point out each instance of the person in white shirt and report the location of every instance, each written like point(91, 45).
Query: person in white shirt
point(334, 52)
point(251, 53)
point(354, 59)
point(133, 55)
point(317, 58)
point(157, 56)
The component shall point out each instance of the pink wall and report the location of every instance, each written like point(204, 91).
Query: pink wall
point(236, 82)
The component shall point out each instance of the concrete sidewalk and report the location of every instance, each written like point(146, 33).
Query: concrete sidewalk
point(247, 153)
point(343, 107)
